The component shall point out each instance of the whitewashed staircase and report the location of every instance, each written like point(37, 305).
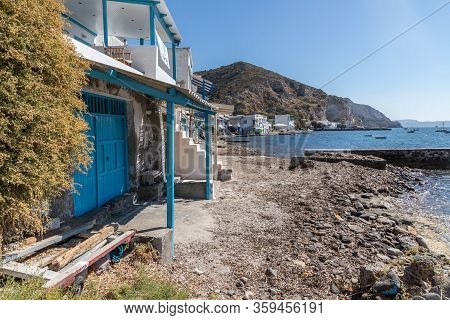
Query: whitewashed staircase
point(190, 159)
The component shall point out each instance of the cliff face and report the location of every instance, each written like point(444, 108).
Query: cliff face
point(256, 90)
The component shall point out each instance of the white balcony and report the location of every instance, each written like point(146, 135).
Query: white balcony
point(147, 60)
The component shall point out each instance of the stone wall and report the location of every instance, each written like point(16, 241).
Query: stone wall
point(414, 158)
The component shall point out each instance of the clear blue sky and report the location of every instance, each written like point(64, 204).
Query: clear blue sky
point(312, 41)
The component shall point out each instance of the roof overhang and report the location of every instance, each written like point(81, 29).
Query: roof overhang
point(107, 69)
point(126, 18)
point(224, 108)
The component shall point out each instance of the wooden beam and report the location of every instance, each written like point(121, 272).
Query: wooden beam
point(46, 243)
point(65, 258)
point(67, 277)
point(25, 271)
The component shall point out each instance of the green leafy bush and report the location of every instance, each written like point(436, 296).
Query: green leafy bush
point(42, 137)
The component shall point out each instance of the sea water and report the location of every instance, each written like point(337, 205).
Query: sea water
point(437, 190)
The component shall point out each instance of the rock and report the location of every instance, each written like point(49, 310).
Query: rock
point(240, 284)
point(431, 296)
point(388, 285)
point(383, 257)
point(397, 230)
point(198, 271)
point(345, 239)
point(369, 274)
point(271, 272)
point(322, 258)
point(230, 293)
point(327, 226)
point(407, 243)
point(411, 230)
point(421, 241)
point(368, 216)
point(393, 252)
point(378, 204)
point(418, 298)
point(367, 195)
point(386, 221)
point(355, 228)
point(244, 280)
point(334, 289)
point(338, 218)
point(299, 263)
point(420, 270)
point(359, 207)
point(248, 295)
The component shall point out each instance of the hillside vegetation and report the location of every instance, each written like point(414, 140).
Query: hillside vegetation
point(256, 90)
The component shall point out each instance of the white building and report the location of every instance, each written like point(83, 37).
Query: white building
point(284, 122)
point(255, 123)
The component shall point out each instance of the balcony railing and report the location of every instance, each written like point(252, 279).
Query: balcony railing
point(119, 54)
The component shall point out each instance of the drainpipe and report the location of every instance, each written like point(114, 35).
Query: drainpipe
point(170, 185)
point(105, 23)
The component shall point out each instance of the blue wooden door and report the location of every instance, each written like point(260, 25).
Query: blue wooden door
point(110, 157)
point(85, 197)
point(107, 177)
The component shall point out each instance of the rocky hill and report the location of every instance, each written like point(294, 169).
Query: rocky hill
point(256, 90)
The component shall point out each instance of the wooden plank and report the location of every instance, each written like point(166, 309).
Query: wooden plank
point(66, 278)
point(85, 257)
point(73, 253)
point(25, 271)
point(46, 243)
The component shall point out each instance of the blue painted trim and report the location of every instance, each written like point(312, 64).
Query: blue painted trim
point(141, 2)
point(126, 82)
point(79, 24)
point(82, 41)
point(170, 184)
point(174, 61)
point(161, 20)
point(158, 15)
point(127, 169)
point(105, 23)
point(153, 11)
point(208, 156)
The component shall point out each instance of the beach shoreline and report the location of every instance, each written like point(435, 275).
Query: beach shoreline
point(318, 231)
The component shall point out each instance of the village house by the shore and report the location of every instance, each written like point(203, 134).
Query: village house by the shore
point(141, 87)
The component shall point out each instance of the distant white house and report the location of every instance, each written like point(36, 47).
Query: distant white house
point(255, 123)
point(284, 122)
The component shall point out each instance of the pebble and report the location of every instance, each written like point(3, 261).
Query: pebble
point(359, 207)
point(431, 296)
point(393, 252)
point(198, 271)
point(248, 295)
point(386, 221)
point(383, 257)
point(271, 272)
point(421, 241)
point(334, 289)
point(299, 263)
point(355, 228)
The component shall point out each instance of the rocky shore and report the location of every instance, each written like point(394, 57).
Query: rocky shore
point(315, 230)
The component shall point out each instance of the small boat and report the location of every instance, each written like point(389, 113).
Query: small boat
point(443, 128)
point(411, 131)
point(368, 135)
point(381, 138)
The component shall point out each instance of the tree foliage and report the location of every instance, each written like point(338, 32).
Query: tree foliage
point(42, 133)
